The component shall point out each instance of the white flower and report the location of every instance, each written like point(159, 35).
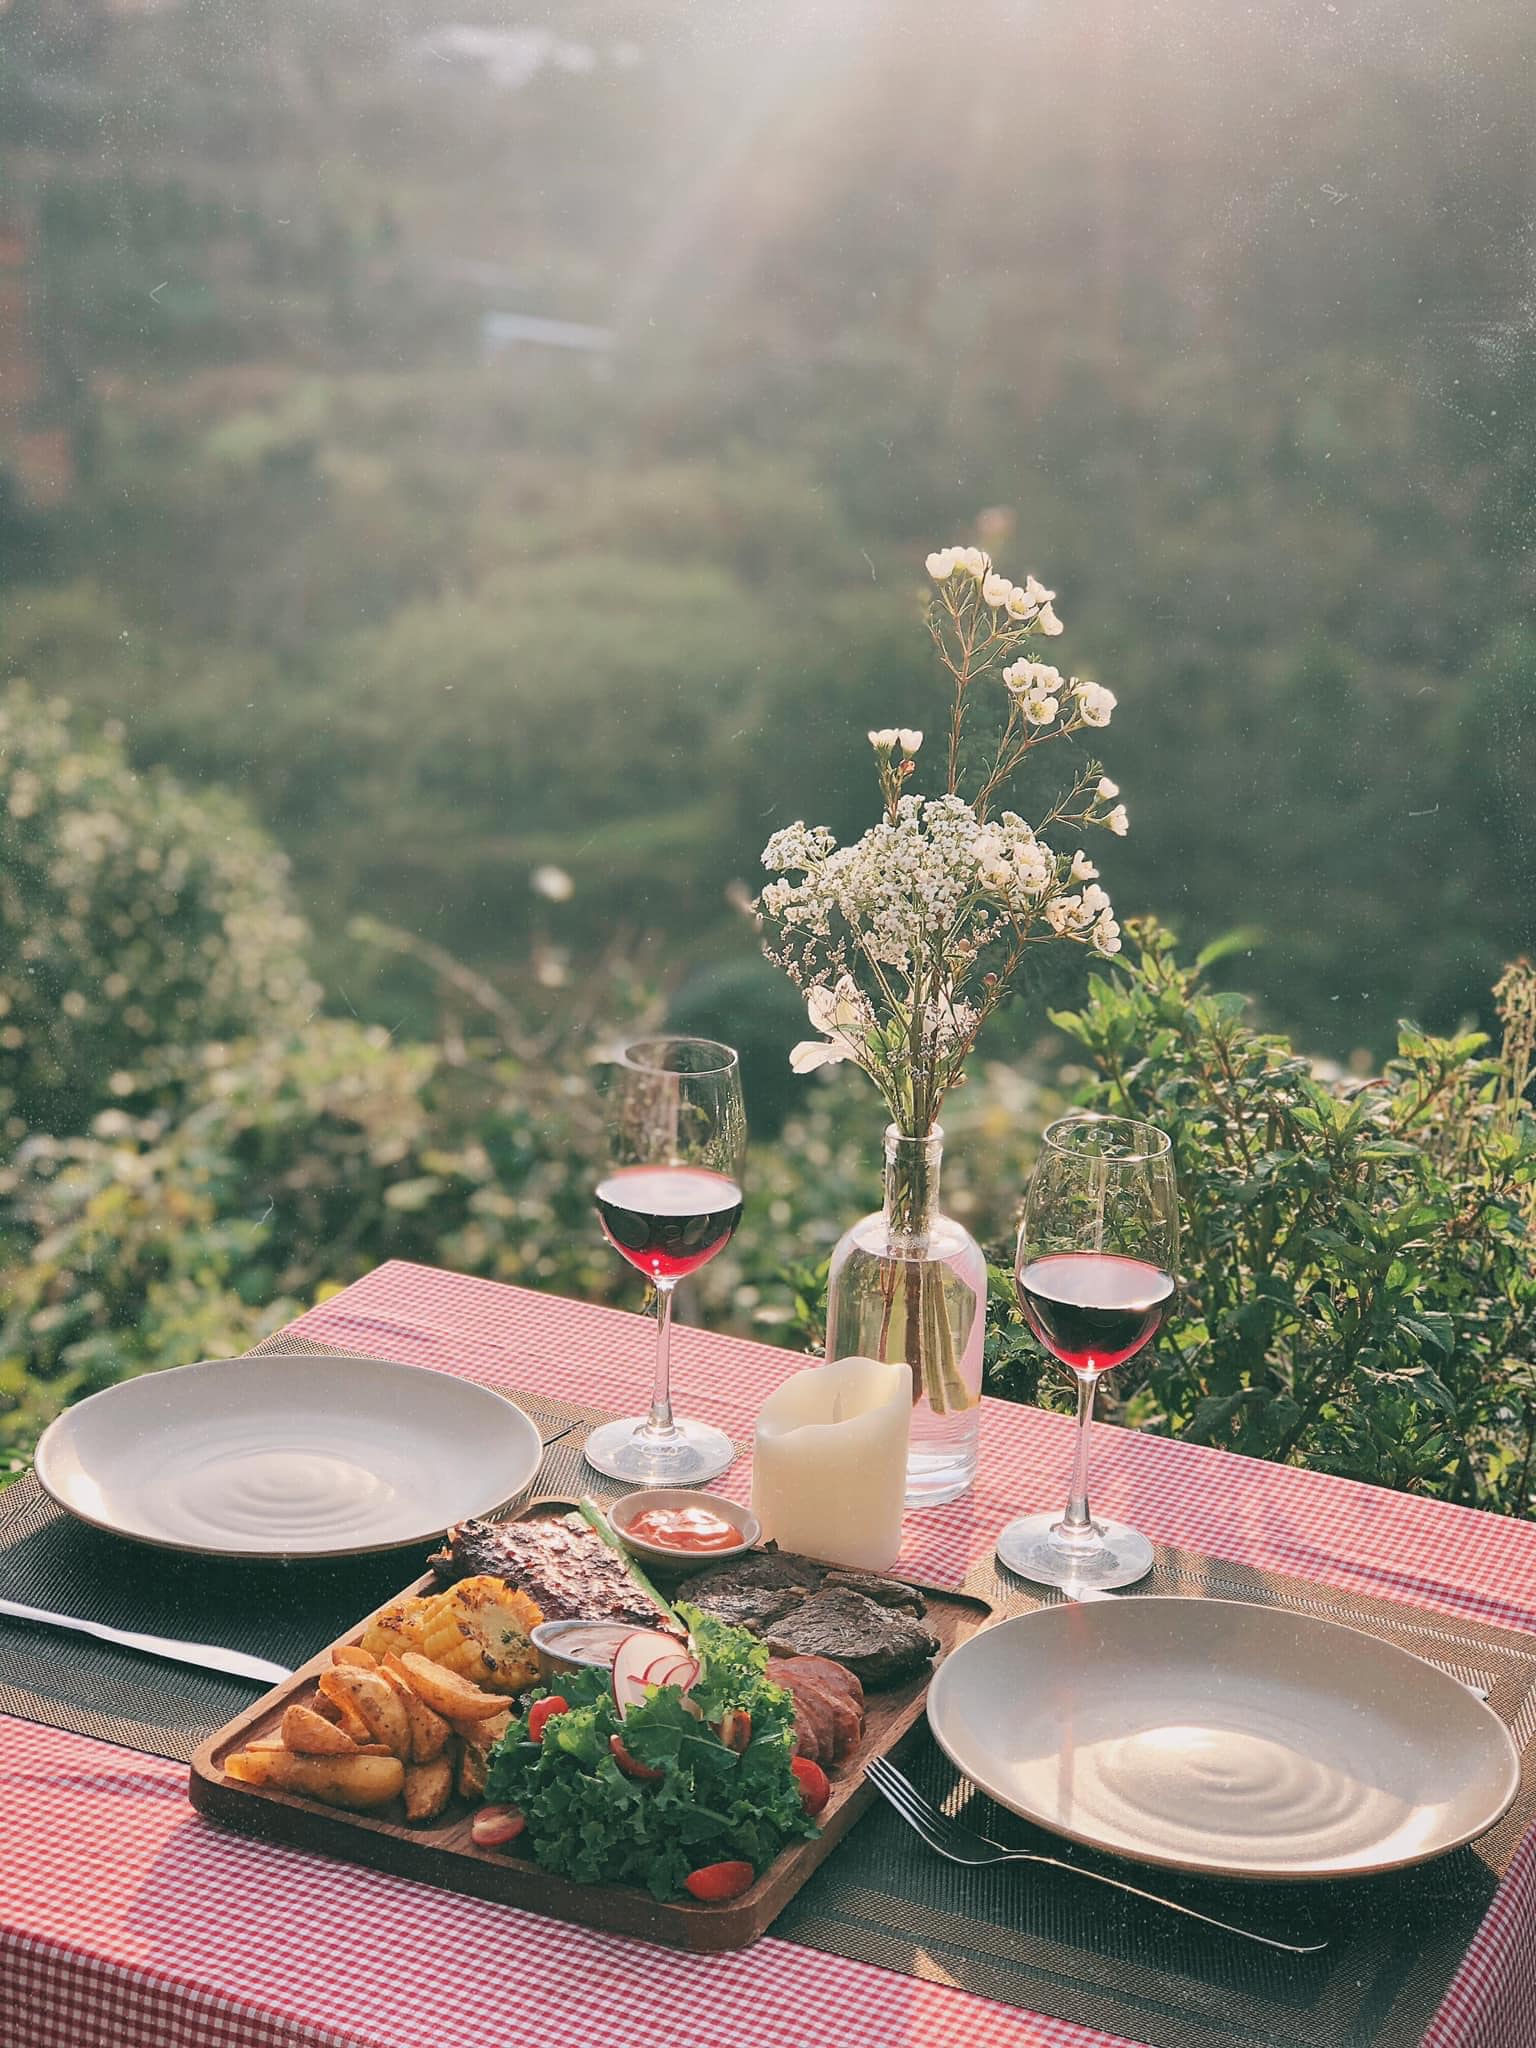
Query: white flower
point(1107, 791)
point(1035, 685)
point(798, 846)
point(552, 883)
point(1105, 936)
point(1048, 622)
point(884, 740)
point(973, 561)
point(839, 1012)
point(1082, 869)
point(1095, 901)
point(1036, 592)
point(995, 589)
point(1062, 913)
point(1094, 702)
point(942, 564)
point(910, 738)
point(1118, 822)
point(1021, 605)
point(1011, 860)
point(1037, 678)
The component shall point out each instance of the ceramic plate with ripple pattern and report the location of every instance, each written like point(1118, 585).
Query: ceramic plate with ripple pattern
point(1223, 1737)
point(287, 1456)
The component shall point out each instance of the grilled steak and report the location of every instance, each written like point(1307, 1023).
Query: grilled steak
point(754, 1590)
point(558, 1561)
point(859, 1620)
point(884, 1592)
point(880, 1645)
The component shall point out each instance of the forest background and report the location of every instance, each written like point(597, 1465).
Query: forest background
point(496, 440)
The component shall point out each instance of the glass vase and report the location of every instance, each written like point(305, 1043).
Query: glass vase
point(909, 1284)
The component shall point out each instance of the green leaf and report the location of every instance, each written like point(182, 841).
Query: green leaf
point(1245, 939)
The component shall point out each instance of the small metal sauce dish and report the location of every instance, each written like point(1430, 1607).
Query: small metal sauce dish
point(555, 1660)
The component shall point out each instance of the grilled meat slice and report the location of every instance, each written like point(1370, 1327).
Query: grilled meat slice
point(561, 1563)
point(884, 1592)
point(815, 1698)
point(815, 1723)
point(881, 1645)
point(753, 1591)
point(835, 1677)
point(753, 1607)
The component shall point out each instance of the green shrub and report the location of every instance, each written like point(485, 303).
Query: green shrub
point(1359, 1286)
point(132, 916)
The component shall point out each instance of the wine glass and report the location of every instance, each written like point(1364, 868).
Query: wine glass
point(668, 1201)
point(1097, 1254)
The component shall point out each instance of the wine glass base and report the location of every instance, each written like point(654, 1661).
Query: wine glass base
point(1029, 1548)
point(692, 1453)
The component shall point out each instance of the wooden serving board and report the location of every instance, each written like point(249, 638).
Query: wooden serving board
point(443, 1854)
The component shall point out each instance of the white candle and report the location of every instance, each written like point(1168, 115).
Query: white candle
point(829, 1468)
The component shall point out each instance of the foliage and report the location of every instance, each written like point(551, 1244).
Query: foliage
point(133, 915)
point(1359, 1286)
point(1212, 349)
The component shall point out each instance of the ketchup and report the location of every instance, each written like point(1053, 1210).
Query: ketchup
point(684, 1529)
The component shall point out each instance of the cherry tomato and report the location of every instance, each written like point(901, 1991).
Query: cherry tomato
point(718, 1881)
point(815, 1790)
point(543, 1712)
point(629, 1765)
point(494, 1825)
point(736, 1728)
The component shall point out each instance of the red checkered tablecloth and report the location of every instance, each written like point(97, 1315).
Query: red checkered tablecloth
point(125, 1922)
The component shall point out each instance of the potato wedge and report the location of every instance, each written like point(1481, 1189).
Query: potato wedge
point(307, 1733)
point(473, 1768)
point(446, 1693)
point(356, 1782)
point(489, 1730)
point(333, 1687)
point(428, 1788)
point(354, 1653)
point(376, 1703)
point(429, 1731)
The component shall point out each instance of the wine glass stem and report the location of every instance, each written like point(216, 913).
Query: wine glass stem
point(1075, 1528)
point(659, 1421)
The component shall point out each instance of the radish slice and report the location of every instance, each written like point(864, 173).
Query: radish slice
point(675, 1670)
point(682, 1672)
point(632, 1659)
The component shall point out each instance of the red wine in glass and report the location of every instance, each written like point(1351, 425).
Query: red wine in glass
point(1098, 1246)
point(669, 1199)
point(668, 1220)
point(1093, 1310)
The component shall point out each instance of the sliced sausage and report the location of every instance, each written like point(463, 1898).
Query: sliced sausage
point(834, 1717)
point(835, 1677)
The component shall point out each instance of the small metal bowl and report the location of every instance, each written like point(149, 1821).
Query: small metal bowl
point(623, 1511)
point(555, 1662)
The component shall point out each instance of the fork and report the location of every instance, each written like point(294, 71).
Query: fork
point(962, 1845)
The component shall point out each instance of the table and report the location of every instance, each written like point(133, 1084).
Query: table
point(125, 1922)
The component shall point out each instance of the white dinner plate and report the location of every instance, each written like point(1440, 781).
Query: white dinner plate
point(292, 1455)
point(1223, 1737)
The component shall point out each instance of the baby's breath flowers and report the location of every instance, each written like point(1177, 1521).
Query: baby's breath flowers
point(907, 940)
